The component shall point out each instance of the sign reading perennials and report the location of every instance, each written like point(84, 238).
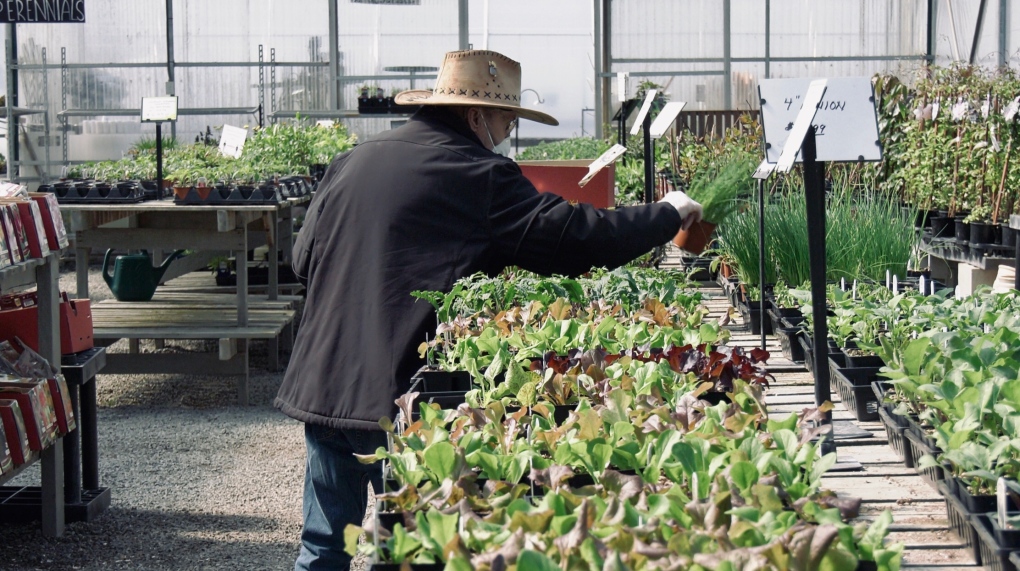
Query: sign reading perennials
point(42, 11)
point(158, 109)
point(847, 126)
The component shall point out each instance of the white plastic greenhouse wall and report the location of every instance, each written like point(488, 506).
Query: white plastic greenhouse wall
point(655, 40)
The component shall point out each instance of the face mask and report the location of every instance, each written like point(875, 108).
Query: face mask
point(503, 148)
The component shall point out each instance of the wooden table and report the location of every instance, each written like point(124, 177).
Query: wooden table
point(162, 226)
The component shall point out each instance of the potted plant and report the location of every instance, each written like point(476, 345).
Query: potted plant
point(718, 191)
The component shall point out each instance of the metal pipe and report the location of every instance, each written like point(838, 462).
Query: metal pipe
point(334, 57)
point(599, 96)
point(761, 259)
point(463, 24)
point(1003, 33)
point(170, 87)
point(977, 31)
point(727, 58)
point(932, 14)
point(814, 192)
point(649, 159)
point(768, 37)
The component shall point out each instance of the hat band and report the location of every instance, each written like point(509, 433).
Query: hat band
point(476, 93)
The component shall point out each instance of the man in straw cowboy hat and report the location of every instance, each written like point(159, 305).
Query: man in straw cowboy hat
point(418, 208)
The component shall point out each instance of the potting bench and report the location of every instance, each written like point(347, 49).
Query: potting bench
point(232, 320)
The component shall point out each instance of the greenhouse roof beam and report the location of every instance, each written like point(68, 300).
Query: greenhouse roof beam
point(761, 59)
point(39, 67)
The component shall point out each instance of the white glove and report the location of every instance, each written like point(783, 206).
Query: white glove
point(689, 210)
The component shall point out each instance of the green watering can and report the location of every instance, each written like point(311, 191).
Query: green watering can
point(134, 278)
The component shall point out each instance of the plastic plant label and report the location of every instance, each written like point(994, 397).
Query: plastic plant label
point(935, 110)
point(621, 86)
point(232, 141)
point(666, 118)
point(645, 107)
point(1002, 501)
point(1011, 110)
point(799, 129)
point(325, 123)
point(607, 158)
point(764, 170)
point(995, 140)
point(986, 107)
point(960, 110)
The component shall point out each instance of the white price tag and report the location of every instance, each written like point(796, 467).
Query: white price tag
point(232, 141)
point(607, 158)
point(935, 110)
point(995, 139)
point(325, 122)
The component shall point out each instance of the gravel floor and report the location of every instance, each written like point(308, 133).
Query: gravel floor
point(197, 481)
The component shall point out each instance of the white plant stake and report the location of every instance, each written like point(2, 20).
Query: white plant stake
point(921, 284)
point(895, 284)
point(887, 278)
point(1002, 500)
point(695, 492)
point(855, 291)
point(842, 284)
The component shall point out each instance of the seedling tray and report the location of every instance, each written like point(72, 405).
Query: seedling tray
point(215, 196)
point(85, 193)
point(918, 448)
point(993, 556)
point(854, 388)
point(789, 340)
point(960, 521)
point(894, 432)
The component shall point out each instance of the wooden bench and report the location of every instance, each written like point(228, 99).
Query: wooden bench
point(189, 315)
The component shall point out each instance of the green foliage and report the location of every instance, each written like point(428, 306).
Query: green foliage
point(566, 149)
point(279, 150)
point(721, 190)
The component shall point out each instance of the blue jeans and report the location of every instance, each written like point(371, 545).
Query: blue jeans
point(336, 492)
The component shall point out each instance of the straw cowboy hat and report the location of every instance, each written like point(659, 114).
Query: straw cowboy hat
point(476, 78)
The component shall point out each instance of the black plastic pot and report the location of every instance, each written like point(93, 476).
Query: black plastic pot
point(980, 233)
point(1005, 537)
point(443, 381)
point(941, 227)
point(961, 230)
point(789, 340)
point(974, 504)
point(752, 314)
point(1007, 236)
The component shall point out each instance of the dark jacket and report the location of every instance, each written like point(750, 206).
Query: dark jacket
point(418, 208)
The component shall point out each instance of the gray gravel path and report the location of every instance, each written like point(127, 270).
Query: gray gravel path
point(197, 481)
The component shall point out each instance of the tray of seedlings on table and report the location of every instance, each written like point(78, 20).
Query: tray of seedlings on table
point(604, 428)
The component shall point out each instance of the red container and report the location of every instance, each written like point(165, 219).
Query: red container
point(14, 428)
point(37, 407)
point(75, 326)
point(61, 396)
point(561, 177)
point(56, 232)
